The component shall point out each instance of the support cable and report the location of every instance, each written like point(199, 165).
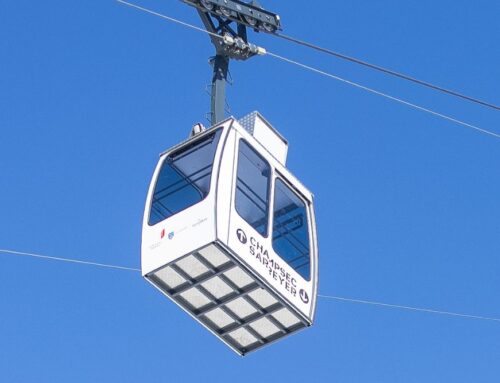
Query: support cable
point(318, 71)
point(396, 99)
point(331, 297)
point(386, 70)
point(151, 12)
point(47, 257)
point(420, 309)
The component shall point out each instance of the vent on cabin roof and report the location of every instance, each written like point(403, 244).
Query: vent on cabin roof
point(265, 133)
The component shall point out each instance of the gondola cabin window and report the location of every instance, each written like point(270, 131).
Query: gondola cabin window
point(290, 229)
point(184, 178)
point(252, 188)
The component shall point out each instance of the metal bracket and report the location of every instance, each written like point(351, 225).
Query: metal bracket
point(219, 80)
point(249, 14)
point(231, 43)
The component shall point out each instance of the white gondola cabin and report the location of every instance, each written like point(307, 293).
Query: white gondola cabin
point(229, 234)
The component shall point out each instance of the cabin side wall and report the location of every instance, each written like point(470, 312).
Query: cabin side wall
point(185, 231)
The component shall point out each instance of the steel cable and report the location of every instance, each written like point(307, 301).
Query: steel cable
point(324, 73)
point(387, 71)
point(332, 297)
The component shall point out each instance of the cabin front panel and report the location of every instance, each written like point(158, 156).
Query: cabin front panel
point(269, 219)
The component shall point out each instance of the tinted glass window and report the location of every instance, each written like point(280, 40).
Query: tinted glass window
point(290, 229)
point(184, 178)
point(252, 188)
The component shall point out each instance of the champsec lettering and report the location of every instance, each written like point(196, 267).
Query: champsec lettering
point(274, 269)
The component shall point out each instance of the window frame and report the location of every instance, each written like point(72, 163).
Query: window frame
point(178, 149)
point(307, 205)
point(269, 186)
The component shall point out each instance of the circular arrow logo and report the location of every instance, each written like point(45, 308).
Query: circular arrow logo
point(241, 236)
point(303, 296)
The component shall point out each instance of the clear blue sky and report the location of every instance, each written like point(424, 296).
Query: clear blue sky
point(407, 204)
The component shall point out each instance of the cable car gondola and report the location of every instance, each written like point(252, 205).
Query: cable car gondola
point(229, 234)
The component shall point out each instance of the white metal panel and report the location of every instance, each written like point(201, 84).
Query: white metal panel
point(264, 132)
point(262, 298)
point(217, 287)
point(214, 255)
point(272, 141)
point(238, 277)
point(192, 267)
point(241, 308)
point(265, 327)
point(243, 337)
point(170, 277)
point(195, 298)
point(219, 318)
point(224, 186)
point(286, 318)
point(314, 260)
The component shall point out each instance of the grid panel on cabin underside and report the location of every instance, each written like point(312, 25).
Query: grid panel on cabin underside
point(214, 288)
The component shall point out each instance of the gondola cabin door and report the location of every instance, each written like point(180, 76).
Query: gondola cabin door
point(271, 225)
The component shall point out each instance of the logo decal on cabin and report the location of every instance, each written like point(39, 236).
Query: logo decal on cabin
point(170, 235)
point(241, 236)
point(303, 295)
